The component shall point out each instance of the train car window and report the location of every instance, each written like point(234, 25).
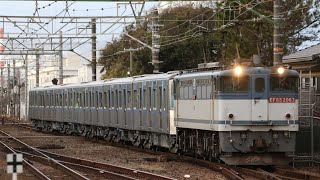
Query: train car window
point(129, 100)
point(86, 100)
point(259, 85)
point(231, 84)
point(135, 99)
point(70, 99)
point(80, 99)
point(160, 98)
point(284, 84)
point(100, 102)
point(116, 99)
point(60, 100)
point(209, 91)
point(154, 98)
point(112, 102)
point(164, 98)
point(149, 97)
point(104, 99)
point(108, 99)
point(125, 99)
point(120, 103)
point(145, 98)
point(140, 98)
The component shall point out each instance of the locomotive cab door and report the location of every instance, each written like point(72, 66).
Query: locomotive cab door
point(259, 110)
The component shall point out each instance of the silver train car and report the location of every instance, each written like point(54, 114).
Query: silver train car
point(242, 116)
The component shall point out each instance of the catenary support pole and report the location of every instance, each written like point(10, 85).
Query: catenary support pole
point(94, 50)
point(60, 59)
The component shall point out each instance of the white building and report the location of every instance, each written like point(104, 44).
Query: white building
point(75, 70)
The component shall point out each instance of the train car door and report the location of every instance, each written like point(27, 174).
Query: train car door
point(259, 111)
point(129, 109)
point(164, 120)
point(136, 105)
point(146, 100)
point(155, 115)
point(100, 106)
point(114, 108)
point(106, 109)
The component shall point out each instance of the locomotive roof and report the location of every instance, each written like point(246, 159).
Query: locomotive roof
point(230, 72)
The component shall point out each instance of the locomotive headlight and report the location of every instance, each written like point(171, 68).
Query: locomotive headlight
point(238, 70)
point(280, 70)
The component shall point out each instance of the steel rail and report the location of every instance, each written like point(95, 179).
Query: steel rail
point(296, 174)
point(102, 172)
point(108, 167)
point(28, 166)
point(52, 161)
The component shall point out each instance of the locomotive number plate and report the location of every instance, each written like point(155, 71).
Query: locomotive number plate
point(282, 100)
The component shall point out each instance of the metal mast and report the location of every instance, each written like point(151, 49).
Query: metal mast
point(277, 33)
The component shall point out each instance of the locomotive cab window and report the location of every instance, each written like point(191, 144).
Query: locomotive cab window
point(229, 84)
point(259, 85)
point(284, 84)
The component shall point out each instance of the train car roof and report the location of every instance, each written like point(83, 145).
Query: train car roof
point(162, 76)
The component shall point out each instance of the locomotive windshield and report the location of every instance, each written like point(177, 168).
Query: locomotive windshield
point(231, 84)
point(284, 84)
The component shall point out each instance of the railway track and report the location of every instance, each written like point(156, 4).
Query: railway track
point(105, 171)
point(230, 172)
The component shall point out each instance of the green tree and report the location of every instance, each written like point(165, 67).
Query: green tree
point(191, 35)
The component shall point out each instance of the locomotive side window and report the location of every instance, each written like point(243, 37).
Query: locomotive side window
point(209, 90)
point(284, 84)
point(185, 92)
point(190, 92)
point(203, 92)
point(230, 84)
point(259, 85)
point(199, 92)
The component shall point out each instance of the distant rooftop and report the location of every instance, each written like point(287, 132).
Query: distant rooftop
point(307, 54)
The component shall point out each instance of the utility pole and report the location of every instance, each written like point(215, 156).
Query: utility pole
point(26, 87)
point(131, 60)
point(13, 86)
point(9, 90)
point(60, 59)
point(37, 69)
point(1, 91)
point(155, 40)
point(94, 50)
point(277, 33)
